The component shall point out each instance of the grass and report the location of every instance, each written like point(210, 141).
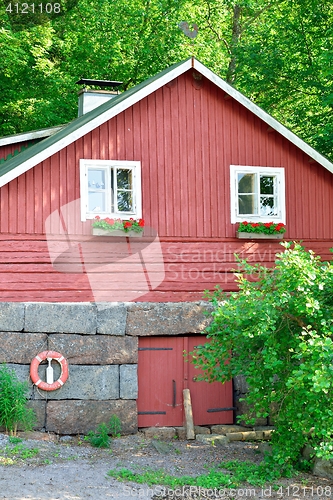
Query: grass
point(13, 454)
point(240, 473)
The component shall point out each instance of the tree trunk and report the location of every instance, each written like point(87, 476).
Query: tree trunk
point(236, 34)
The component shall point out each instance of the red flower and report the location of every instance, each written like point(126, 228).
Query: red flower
point(109, 221)
point(255, 224)
point(141, 223)
point(127, 224)
point(97, 217)
point(245, 223)
point(279, 227)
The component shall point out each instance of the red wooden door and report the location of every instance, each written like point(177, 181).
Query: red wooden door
point(209, 400)
point(163, 373)
point(160, 375)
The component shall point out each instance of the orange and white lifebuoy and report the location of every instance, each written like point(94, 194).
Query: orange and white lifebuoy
point(42, 356)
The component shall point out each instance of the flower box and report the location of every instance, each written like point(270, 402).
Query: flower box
point(258, 236)
point(116, 227)
point(260, 230)
point(96, 231)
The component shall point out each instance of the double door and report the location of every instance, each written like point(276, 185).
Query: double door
point(163, 373)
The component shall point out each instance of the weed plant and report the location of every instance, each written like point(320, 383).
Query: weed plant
point(241, 472)
point(101, 437)
point(13, 402)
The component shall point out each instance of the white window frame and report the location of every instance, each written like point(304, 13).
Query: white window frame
point(281, 205)
point(107, 165)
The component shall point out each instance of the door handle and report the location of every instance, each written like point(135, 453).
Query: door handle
point(174, 393)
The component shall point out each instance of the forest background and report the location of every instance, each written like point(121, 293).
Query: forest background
point(278, 53)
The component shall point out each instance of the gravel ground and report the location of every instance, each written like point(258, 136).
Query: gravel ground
point(44, 467)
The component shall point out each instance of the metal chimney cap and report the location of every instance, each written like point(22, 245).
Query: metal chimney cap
point(100, 83)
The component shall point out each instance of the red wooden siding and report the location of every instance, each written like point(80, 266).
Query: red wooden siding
point(191, 267)
point(186, 135)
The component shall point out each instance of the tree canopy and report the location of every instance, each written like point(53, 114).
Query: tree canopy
point(276, 52)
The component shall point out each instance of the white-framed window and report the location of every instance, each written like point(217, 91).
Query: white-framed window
point(257, 194)
point(110, 188)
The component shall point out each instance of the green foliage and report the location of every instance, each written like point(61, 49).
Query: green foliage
point(242, 472)
point(278, 53)
point(13, 402)
point(100, 438)
point(277, 332)
point(22, 452)
point(136, 225)
point(261, 227)
point(115, 426)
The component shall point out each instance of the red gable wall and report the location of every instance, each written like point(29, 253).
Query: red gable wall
point(186, 135)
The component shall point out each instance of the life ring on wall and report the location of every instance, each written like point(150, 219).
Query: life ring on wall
point(42, 356)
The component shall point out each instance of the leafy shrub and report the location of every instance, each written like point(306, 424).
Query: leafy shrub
point(13, 402)
point(277, 332)
point(100, 438)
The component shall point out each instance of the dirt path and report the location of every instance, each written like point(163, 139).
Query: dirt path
point(49, 469)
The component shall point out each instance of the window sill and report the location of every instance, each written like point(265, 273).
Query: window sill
point(259, 236)
point(96, 231)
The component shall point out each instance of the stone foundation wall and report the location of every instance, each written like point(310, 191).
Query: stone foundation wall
point(100, 343)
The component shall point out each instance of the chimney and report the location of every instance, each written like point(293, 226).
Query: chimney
point(90, 99)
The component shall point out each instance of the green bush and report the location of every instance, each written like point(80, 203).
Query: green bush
point(100, 438)
point(277, 332)
point(13, 402)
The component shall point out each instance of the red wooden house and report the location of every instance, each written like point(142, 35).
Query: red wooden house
point(190, 155)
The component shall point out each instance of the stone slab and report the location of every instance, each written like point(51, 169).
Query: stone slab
point(21, 347)
point(23, 374)
point(95, 349)
point(11, 316)
point(243, 408)
point(240, 384)
point(80, 417)
point(84, 382)
point(163, 433)
point(61, 317)
point(212, 439)
point(181, 433)
point(128, 381)
point(201, 430)
point(111, 318)
point(147, 318)
point(323, 468)
point(39, 408)
point(226, 429)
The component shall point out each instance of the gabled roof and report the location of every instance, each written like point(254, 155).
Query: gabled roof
point(88, 122)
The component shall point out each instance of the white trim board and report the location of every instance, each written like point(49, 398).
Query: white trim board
point(29, 136)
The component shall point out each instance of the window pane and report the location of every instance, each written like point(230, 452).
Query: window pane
point(246, 204)
point(268, 205)
point(125, 201)
point(96, 202)
point(267, 184)
point(96, 179)
point(246, 183)
point(124, 178)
